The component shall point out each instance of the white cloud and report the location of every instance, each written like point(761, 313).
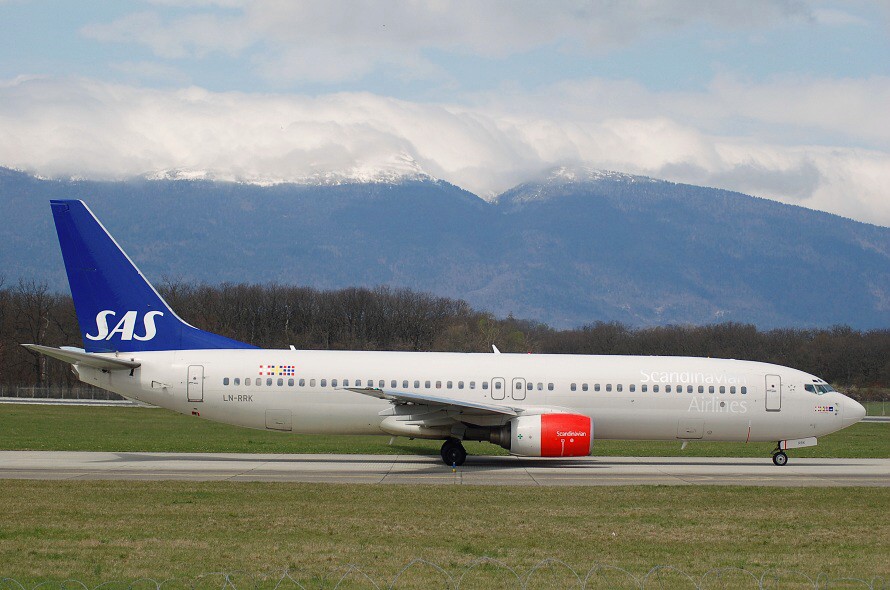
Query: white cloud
point(93, 129)
point(329, 41)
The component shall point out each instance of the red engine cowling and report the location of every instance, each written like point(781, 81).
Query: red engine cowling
point(551, 435)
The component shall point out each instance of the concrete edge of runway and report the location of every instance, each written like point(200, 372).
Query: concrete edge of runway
point(424, 469)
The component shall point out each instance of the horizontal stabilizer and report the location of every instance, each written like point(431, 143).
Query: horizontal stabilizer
point(84, 358)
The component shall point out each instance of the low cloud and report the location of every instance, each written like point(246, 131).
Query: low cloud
point(81, 127)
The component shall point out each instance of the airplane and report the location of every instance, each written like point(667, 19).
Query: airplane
point(533, 405)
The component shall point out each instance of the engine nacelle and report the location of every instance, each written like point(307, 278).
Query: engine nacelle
point(551, 435)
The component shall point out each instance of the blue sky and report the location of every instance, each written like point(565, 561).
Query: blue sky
point(786, 100)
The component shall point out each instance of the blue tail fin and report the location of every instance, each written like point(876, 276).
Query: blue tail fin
point(117, 308)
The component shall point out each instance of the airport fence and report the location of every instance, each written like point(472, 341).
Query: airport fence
point(55, 392)
point(482, 573)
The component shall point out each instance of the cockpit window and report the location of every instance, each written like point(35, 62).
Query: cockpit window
point(818, 388)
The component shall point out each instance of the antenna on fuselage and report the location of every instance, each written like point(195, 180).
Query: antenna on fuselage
point(494, 349)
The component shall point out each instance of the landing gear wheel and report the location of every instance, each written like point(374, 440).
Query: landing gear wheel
point(780, 458)
point(453, 452)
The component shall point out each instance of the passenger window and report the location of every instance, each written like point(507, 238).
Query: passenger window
point(549, 387)
point(225, 380)
point(280, 382)
point(405, 384)
point(290, 382)
point(633, 387)
point(312, 383)
point(540, 386)
point(333, 383)
point(497, 385)
point(247, 381)
point(393, 383)
point(269, 381)
point(438, 385)
point(722, 389)
point(667, 388)
point(596, 387)
point(645, 388)
point(302, 383)
point(574, 387)
point(583, 387)
point(710, 389)
point(416, 384)
point(449, 384)
point(619, 387)
point(460, 384)
point(744, 390)
point(608, 387)
point(530, 386)
point(701, 388)
point(381, 384)
point(426, 384)
point(324, 382)
point(472, 385)
point(346, 383)
point(732, 389)
point(654, 389)
point(237, 380)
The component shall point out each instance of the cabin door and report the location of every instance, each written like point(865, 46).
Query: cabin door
point(518, 388)
point(498, 388)
point(773, 393)
point(196, 383)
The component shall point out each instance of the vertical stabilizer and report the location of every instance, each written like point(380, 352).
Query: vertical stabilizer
point(117, 308)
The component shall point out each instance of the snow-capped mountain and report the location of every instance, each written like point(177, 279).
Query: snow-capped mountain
point(575, 247)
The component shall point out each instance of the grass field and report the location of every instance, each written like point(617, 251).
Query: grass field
point(97, 531)
point(880, 408)
point(31, 427)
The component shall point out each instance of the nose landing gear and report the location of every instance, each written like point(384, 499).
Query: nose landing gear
point(780, 458)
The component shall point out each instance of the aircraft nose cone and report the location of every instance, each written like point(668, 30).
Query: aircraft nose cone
point(854, 412)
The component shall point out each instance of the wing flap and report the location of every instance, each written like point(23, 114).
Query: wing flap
point(451, 404)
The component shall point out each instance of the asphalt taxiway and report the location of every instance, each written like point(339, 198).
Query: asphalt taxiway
point(413, 469)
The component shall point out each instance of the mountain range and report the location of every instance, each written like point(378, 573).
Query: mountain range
point(575, 247)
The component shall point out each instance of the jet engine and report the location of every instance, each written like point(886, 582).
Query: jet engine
point(547, 435)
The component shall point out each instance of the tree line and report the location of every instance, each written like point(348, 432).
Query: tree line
point(277, 316)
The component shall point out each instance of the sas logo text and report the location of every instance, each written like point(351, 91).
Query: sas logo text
point(125, 327)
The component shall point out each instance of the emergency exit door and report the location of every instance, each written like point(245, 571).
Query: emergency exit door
point(195, 384)
point(773, 393)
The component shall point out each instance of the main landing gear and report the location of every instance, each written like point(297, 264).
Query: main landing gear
point(453, 452)
point(779, 457)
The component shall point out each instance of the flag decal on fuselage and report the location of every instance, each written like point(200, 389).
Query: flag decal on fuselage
point(278, 370)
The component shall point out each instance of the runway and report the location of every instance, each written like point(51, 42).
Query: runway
point(413, 469)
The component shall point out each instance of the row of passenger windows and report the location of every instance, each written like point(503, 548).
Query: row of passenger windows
point(381, 383)
point(530, 386)
point(644, 388)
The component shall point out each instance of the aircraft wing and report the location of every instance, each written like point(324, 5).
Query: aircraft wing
point(79, 357)
point(446, 403)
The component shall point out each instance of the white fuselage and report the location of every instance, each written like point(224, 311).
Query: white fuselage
point(627, 397)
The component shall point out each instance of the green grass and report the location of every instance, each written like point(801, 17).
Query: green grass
point(97, 531)
point(32, 427)
point(881, 408)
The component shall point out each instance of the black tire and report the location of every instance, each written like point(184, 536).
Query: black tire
point(453, 452)
point(780, 458)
